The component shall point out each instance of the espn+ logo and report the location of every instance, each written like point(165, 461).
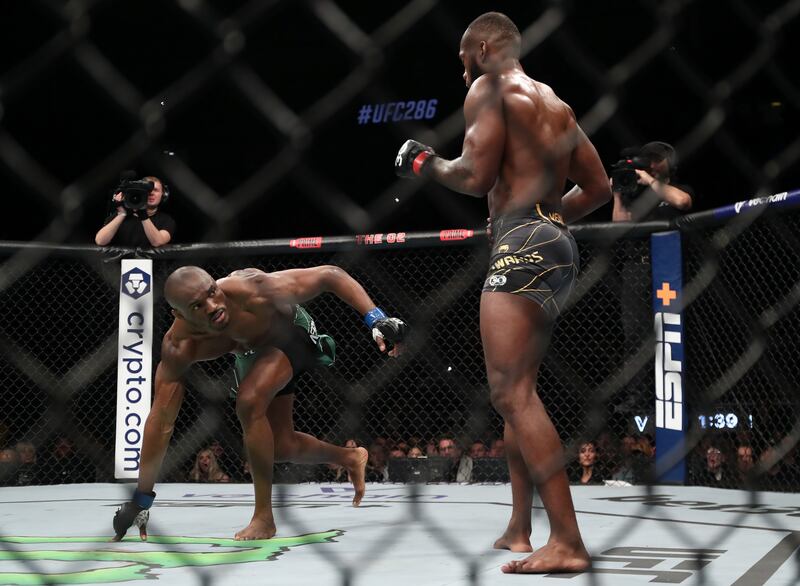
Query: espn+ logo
point(669, 368)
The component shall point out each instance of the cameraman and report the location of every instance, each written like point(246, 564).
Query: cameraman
point(643, 185)
point(643, 189)
point(135, 223)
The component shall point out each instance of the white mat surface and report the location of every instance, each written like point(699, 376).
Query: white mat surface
point(441, 536)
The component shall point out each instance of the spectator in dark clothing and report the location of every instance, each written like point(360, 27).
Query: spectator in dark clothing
point(587, 469)
point(713, 471)
point(637, 460)
point(745, 462)
point(377, 465)
point(9, 462)
point(65, 465)
point(147, 227)
point(29, 470)
point(498, 449)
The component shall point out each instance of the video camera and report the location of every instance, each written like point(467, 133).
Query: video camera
point(623, 174)
point(134, 191)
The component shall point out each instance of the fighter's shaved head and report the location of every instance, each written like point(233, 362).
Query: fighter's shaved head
point(183, 280)
point(495, 27)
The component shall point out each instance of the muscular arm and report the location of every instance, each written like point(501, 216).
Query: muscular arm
point(161, 420)
point(592, 189)
point(476, 170)
point(300, 285)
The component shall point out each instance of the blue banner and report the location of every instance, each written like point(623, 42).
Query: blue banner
point(670, 420)
point(776, 200)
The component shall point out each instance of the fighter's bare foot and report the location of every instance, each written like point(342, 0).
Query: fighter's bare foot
point(257, 529)
point(356, 467)
point(514, 541)
point(552, 558)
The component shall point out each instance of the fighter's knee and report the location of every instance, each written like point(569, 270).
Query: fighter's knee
point(501, 384)
point(502, 400)
point(509, 394)
point(248, 406)
point(498, 378)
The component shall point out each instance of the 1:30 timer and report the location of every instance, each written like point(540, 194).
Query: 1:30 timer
point(722, 421)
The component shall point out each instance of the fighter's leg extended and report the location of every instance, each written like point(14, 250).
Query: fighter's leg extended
point(295, 446)
point(517, 536)
point(515, 332)
point(269, 374)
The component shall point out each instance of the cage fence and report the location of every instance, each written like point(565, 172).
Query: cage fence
point(58, 329)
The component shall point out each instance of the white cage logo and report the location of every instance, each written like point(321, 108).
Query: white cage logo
point(135, 283)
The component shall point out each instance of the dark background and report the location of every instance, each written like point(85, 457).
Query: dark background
point(260, 103)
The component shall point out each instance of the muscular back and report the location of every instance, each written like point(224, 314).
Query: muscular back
point(539, 140)
point(521, 144)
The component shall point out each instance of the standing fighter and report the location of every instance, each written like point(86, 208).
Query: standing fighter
point(257, 317)
point(521, 144)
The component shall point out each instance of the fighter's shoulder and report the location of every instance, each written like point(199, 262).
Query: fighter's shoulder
point(515, 89)
point(487, 85)
point(241, 281)
point(246, 273)
point(485, 92)
point(546, 95)
point(555, 102)
point(178, 345)
point(242, 276)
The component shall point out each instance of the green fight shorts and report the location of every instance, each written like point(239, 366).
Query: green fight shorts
point(304, 347)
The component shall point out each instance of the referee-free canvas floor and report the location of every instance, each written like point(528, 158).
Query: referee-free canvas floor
point(401, 535)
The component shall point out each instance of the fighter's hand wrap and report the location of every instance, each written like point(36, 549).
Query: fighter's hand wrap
point(134, 512)
point(393, 330)
point(411, 159)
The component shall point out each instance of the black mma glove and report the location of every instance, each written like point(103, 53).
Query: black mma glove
point(411, 159)
point(134, 512)
point(393, 330)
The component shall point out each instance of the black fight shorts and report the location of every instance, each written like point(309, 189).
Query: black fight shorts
point(534, 256)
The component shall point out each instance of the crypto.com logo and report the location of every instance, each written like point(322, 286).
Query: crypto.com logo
point(138, 565)
point(135, 283)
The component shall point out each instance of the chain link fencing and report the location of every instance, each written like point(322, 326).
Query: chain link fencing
point(744, 399)
point(433, 393)
point(59, 355)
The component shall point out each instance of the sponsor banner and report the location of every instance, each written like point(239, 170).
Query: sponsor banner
point(457, 234)
point(307, 242)
point(134, 363)
point(380, 238)
point(785, 199)
point(670, 403)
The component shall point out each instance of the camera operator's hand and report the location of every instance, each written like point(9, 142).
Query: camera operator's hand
point(140, 215)
point(121, 211)
point(644, 178)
